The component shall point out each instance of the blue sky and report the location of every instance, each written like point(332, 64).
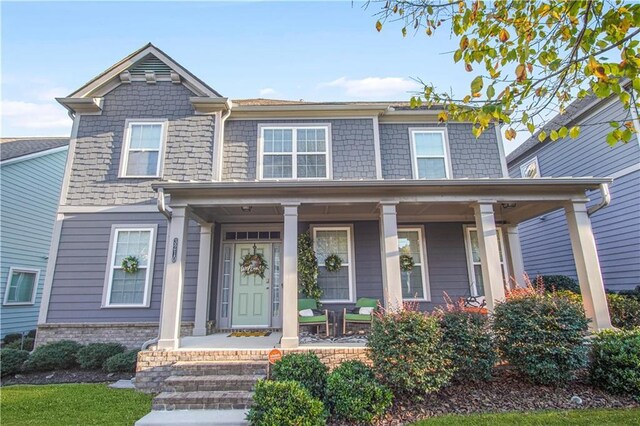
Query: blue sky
point(287, 50)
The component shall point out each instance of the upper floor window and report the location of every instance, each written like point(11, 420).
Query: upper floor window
point(430, 154)
point(530, 169)
point(21, 286)
point(290, 152)
point(143, 149)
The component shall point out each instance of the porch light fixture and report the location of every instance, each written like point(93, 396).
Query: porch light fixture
point(508, 205)
point(246, 209)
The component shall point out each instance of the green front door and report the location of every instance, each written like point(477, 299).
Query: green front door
point(251, 293)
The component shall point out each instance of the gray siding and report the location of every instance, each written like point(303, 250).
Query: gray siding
point(188, 154)
point(545, 243)
point(470, 157)
point(353, 152)
point(78, 280)
point(28, 203)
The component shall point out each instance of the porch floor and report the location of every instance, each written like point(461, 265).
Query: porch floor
point(222, 341)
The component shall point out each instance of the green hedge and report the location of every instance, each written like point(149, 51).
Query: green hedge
point(124, 362)
point(615, 361)
point(559, 282)
point(304, 368)
point(94, 355)
point(353, 394)
point(285, 403)
point(54, 356)
point(11, 361)
point(624, 310)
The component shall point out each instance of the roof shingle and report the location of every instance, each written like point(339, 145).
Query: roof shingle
point(17, 147)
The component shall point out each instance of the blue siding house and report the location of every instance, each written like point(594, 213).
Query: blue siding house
point(31, 172)
point(546, 246)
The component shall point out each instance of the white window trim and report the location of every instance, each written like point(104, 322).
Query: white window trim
point(523, 168)
point(473, 286)
point(426, 286)
point(124, 157)
point(294, 152)
point(106, 293)
point(33, 292)
point(447, 152)
point(352, 259)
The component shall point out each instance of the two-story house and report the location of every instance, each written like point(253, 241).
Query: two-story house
point(546, 245)
point(165, 172)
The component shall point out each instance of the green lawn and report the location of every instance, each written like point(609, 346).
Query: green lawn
point(628, 417)
point(74, 404)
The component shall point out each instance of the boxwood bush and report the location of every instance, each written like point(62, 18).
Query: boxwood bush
point(26, 344)
point(559, 282)
point(94, 355)
point(285, 403)
point(124, 362)
point(615, 361)
point(469, 340)
point(624, 310)
point(407, 352)
point(54, 356)
point(11, 361)
point(542, 335)
point(304, 368)
point(353, 393)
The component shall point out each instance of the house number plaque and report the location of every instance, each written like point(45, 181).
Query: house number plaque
point(174, 251)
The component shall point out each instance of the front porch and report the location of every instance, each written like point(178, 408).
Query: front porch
point(463, 232)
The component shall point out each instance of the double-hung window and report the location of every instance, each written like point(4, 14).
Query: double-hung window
point(414, 282)
point(130, 288)
point(143, 149)
point(294, 152)
point(530, 169)
point(21, 286)
point(474, 261)
point(337, 286)
point(430, 153)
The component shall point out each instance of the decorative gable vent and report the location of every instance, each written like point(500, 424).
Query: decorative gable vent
point(150, 64)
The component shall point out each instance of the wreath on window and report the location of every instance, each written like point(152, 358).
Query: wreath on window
point(333, 263)
point(406, 263)
point(254, 264)
point(130, 264)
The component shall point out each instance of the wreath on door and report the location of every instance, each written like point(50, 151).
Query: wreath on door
point(254, 264)
point(130, 264)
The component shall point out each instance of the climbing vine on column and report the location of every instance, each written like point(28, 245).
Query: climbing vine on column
point(308, 268)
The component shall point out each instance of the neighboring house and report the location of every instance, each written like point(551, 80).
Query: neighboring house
point(31, 171)
point(546, 246)
point(165, 169)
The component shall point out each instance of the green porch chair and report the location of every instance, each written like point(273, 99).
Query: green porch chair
point(316, 319)
point(357, 318)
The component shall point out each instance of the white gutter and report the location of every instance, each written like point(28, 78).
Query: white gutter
point(162, 207)
point(604, 202)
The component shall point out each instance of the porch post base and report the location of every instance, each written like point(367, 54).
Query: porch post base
point(289, 342)
point(199, 331)
point(168, 344)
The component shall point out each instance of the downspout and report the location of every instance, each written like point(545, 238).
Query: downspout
point(605, 199)
point(220, 141)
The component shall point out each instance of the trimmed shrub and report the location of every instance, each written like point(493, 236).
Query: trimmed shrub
point(304, 368)
point(542, 335)
point(469, 340)
point(353, 393)
point(26, 345)
point(559, 282)
point(407, 352)
point(54, 356)
point(615, 361)
point(285, 403)
point(124, 362)
point(11, 361)
point(624, 310)
point(12, 337)
point(94, 355)
point(635, 293)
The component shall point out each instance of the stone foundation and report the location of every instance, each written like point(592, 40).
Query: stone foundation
point(154, 366)
point(131, 335)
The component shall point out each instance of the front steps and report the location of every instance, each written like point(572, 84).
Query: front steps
point(223, 387)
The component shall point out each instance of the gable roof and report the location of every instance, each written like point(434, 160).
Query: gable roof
point(11, 148)
point(148, 56)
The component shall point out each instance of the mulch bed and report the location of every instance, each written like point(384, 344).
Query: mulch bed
point(64, 376)
point(506, 392)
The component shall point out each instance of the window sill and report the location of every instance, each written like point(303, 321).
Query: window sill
point(18, 303)
point(144, 306)
point(139, 177)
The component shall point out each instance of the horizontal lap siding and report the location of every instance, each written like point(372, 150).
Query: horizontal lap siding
point(545, 243)
point(28, 204)
point(78, 281)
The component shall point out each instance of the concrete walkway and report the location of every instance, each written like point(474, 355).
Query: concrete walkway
point(194, 417)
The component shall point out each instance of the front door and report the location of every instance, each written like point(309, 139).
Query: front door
point(250, 292)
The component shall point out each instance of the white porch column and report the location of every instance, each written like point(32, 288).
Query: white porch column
point(515, 255)
point(290, 278)
point(489, 254)
point(391, 284)
point(204, 280)
point(585, 254)
point(173, 283)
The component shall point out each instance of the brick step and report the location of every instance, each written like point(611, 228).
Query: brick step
point(211, 383)
point(203, 400)
point(218, 368)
